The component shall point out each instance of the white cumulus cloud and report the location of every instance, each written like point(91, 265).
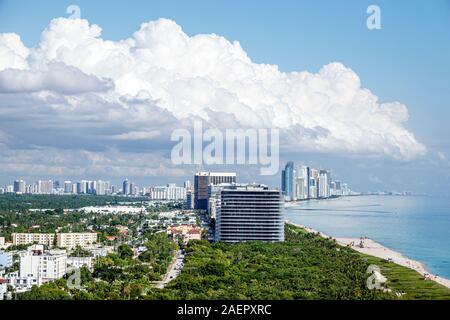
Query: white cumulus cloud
point(160, 78)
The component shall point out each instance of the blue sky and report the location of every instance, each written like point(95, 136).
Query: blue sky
point(407, 60)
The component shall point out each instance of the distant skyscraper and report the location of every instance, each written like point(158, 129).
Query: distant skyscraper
point(201, 182)
point(288, 181)
point(189, 200)
point(68, 187)
point(82, 187)
point(302, 182)
point(45, 186)
point(100, 188)
point(126, 188)
point(19, 186)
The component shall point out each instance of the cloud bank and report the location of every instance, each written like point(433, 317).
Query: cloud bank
point(78, 91)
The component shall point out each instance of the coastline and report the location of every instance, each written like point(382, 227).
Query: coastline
point(375, 249)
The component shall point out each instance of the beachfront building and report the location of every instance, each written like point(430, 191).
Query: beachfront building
point(288, 181)
point(72, 240)
point(249, 212)
point(47, 239)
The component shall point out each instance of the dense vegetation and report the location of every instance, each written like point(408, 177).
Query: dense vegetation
point(16, 216)
point(118, 276)
point(303, 267)
point(22, 202)
point(306, 266)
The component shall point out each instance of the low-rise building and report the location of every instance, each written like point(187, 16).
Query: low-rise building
point(100, 251)
point(3, 288)
point(187, 232)
point(5, 260)
point(21, 284)
point(78, 262)
point(72, 240)
point(30, 238)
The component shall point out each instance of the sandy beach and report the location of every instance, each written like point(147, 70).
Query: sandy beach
point(370, 247)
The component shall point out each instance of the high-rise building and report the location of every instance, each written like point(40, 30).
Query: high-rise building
point(68, 187)
point(288, 181)
point(19, 186)
point(83, 187)
point(45, 187)
point(302, 182)
point(189, 200)
point(169, 192)
point(324, 188)
point(100, 188)
point(126, 190)
point(249, 212)
point(201, 182)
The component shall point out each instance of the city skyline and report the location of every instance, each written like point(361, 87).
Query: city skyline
point(377, 118)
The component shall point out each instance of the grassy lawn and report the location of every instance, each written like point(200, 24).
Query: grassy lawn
point(403, 280)
point(408, 281)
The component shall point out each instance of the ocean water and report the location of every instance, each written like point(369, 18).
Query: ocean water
point(416, 226)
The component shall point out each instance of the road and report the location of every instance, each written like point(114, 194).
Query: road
point(174, 270)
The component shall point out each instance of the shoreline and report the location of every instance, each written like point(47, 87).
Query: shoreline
point(370, 247)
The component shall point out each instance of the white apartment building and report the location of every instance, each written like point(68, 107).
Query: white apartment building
point(43, 266)
point(30, 238)
point(20, 284)
point(78, 262)
point(169, 192)
point(3, 288)
point(324, 189)
point(71, 240)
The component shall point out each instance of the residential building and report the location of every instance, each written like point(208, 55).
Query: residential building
point(43, 266)
point(30, 238)
point(6, 260)
point(68, 187)
point(186, 232)
point(249, 212)
point(189, 200)
point(288, 181)
point(19, 186)
point(78, 262)
point(3, 288)
point(45, 186)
